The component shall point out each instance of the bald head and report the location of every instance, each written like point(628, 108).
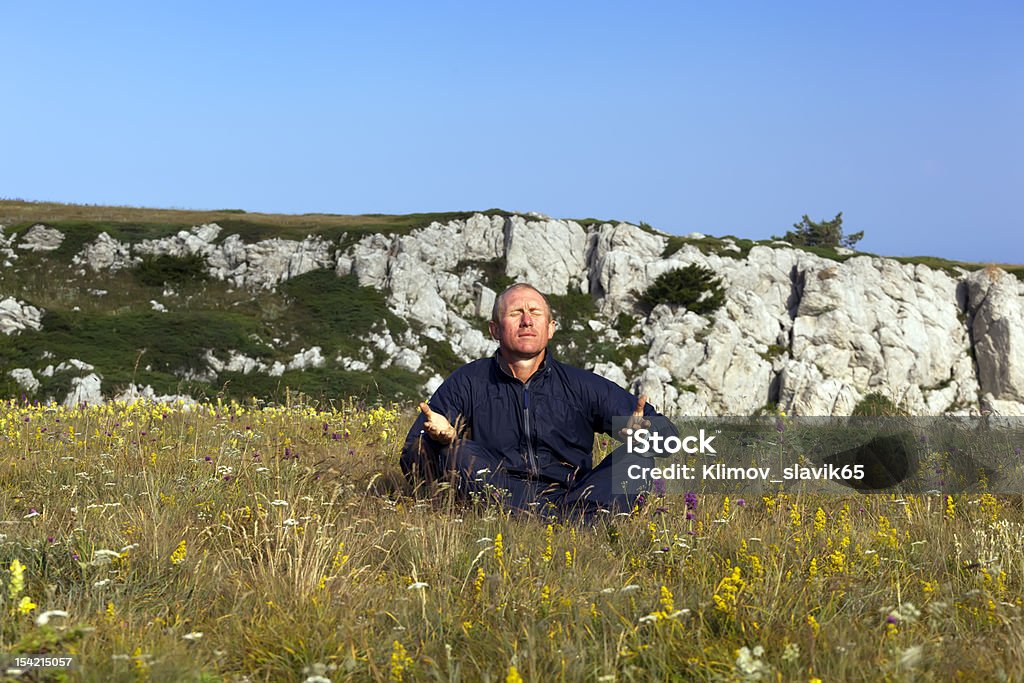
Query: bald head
point(498, 309)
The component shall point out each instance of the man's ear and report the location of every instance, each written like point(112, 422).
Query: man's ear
point(493, 327)
point(552, 326)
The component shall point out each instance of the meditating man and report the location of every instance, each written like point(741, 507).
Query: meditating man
point(522, 423)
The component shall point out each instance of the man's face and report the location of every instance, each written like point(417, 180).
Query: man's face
point(524, 325)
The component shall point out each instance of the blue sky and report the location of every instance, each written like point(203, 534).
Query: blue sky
point(725, 118)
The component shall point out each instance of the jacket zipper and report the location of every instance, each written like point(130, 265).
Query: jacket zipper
point(532, 457)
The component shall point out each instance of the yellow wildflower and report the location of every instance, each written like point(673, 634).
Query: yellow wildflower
point(26, 605)
point(400, 661)
point(17, 582)
point(513, 675)
point(178, 556)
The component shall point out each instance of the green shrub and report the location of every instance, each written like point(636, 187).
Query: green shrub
point(877, 405)
point(157, 271)
point(692, 286)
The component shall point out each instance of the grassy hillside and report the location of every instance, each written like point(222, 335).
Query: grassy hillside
point(119, 332)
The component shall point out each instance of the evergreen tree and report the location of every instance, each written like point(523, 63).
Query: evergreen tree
point(808, 233)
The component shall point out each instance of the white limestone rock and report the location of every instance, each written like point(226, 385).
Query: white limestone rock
point(25, 379)
point(432, 384)
point(806, 392)
point(197, 241)
point(134, 393)
point(307, 358)
point(41, 238)
point(6, 248)
point(105, 253)
point(84, 390)
point(876, 325)
point(17, 316)
point(239, 362)
point(550, 255)
point(997, 325)
point(408, 359)
point(612, 372)
point(618, 257)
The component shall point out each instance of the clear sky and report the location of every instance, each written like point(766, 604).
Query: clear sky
point(718, 117)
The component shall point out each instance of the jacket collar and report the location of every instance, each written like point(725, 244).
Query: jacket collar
point(505, 373)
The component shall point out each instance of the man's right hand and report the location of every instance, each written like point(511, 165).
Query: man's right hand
point(437, 426)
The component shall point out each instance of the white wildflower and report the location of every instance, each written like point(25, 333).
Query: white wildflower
point(749, 666)
point(279, 503)
point(194, 636)
point(418, 586)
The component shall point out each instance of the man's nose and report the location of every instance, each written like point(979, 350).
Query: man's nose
point(527, 320)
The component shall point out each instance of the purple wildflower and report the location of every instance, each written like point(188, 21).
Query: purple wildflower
point(691, 501)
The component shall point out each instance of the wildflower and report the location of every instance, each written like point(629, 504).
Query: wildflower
point(513, 675)
point(749, 666)
point(17, 581)
point(499, 549)
point(193, 636)
point(44, 618)
point(417, 586)
point(400, 661)
point(812, 570)
point(950, 507)
point(26, 605)
point(691, 501)
point(791, 653)
point(819, 520)
point(549, 534)
point(478, 584)
point(667, 600)
point(727, 593)
point(178, 556)
point(813, 623)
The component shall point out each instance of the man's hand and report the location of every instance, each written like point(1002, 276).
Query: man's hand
point(636, 420)
point(437, 426)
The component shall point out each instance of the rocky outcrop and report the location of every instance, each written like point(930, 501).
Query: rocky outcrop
point(105, 253)
point(17, 316)
point(812, 335)
point(996, 308)
point(41, 238)
point(874, 325)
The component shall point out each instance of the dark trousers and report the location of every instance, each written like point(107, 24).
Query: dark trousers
point(478, 471)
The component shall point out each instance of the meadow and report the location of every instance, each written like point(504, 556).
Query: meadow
point(252, 542)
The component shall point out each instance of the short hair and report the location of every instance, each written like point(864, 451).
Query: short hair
point(496, 308)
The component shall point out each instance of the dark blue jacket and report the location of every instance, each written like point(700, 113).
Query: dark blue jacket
point(542, 429)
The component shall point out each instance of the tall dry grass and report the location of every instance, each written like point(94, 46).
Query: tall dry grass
point(229, 542)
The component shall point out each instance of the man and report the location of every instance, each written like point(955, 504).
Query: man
point(523, 423)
